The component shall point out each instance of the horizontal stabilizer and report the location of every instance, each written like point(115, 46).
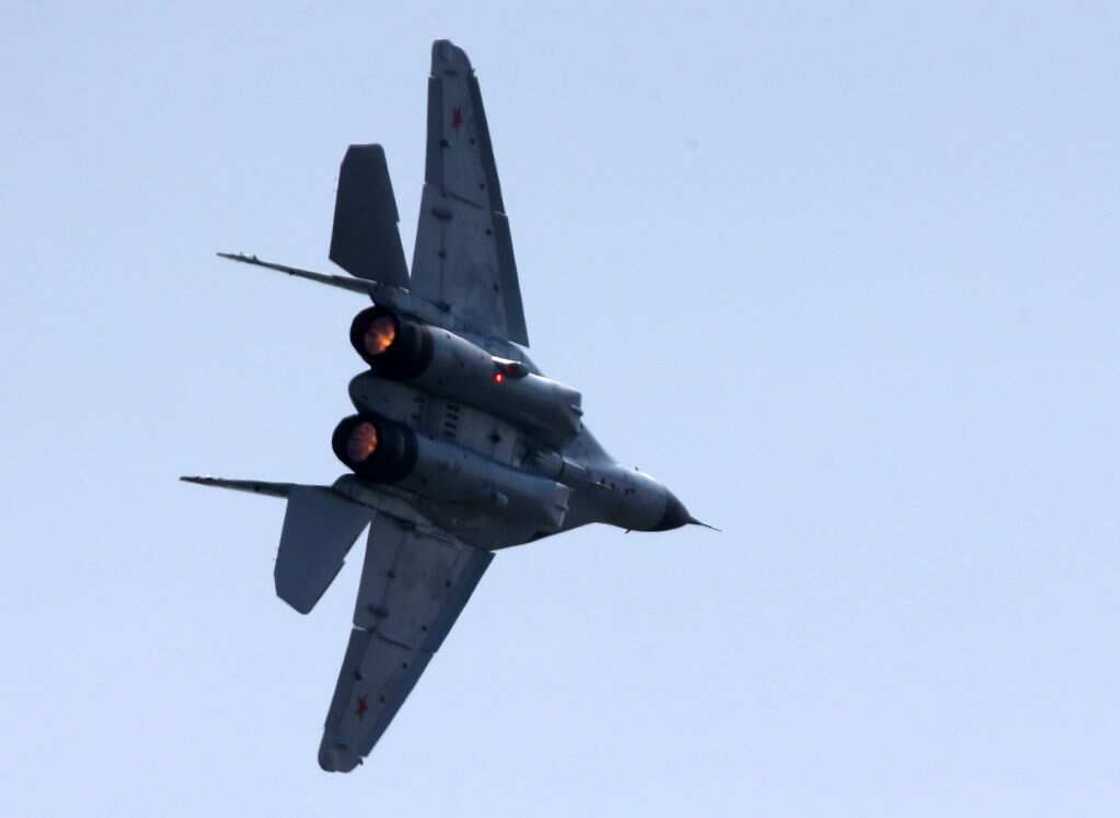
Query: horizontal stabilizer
point(365, 241)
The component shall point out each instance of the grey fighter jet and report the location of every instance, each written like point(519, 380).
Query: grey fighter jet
point(459, 445)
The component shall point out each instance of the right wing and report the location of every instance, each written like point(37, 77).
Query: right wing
point(463, 259)
point(415, 581)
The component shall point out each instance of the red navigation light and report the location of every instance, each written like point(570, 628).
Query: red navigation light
point(499, 377)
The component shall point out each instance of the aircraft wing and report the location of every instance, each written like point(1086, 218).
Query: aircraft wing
point(463, 260)
point(415, 581)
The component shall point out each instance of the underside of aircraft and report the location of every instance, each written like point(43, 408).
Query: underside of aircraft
point(459, 445)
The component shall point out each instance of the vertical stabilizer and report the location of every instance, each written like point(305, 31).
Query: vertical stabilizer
point(365, 241)
point(319, 529)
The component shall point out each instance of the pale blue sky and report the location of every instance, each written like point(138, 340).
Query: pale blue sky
point(844, 276)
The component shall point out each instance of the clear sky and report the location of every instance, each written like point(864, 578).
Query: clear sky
point(844, 276)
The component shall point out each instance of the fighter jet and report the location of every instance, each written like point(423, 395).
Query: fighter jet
point(459, 445)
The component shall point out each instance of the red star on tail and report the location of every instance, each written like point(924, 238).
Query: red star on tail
point(456, 118)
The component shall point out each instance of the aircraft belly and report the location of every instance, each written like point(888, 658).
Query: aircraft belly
point(460, 445)
point(440, 418)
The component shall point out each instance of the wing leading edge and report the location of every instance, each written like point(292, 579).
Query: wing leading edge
point(463, 259)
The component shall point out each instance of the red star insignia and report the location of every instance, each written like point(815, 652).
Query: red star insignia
point(362, 707)
point(456, 118)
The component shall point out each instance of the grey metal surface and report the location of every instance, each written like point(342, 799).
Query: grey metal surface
point(463, 258)
point(440, 417)
point(365, 241)
point(319, 529)
point(377, 676)
point(461, 479)
point(478, 450)
point(463, 370)
point(414, 584)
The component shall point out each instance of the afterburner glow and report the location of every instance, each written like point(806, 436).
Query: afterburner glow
point(362, 442)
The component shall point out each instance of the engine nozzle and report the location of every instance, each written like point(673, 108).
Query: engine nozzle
point(374, 448)
point(394, 346)
point(361, 443)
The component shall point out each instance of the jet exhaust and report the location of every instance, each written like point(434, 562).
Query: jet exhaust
point(395, 347)
point(379, 450)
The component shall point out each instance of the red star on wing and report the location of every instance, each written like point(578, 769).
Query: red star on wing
point(363, 706)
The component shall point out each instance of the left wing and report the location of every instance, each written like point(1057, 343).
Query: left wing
point(415, 581)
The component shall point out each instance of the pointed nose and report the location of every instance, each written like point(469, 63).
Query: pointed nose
point(675, 514)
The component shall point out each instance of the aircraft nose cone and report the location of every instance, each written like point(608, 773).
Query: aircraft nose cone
point(675, 515)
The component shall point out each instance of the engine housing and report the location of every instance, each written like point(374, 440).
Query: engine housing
point(380, 450)
point(438, 361)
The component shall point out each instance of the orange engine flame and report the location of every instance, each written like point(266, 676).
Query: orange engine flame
point(362, 442)
point(380, 334)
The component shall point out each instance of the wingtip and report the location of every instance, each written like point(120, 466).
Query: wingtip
point(447, 56)
point(336, 758)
